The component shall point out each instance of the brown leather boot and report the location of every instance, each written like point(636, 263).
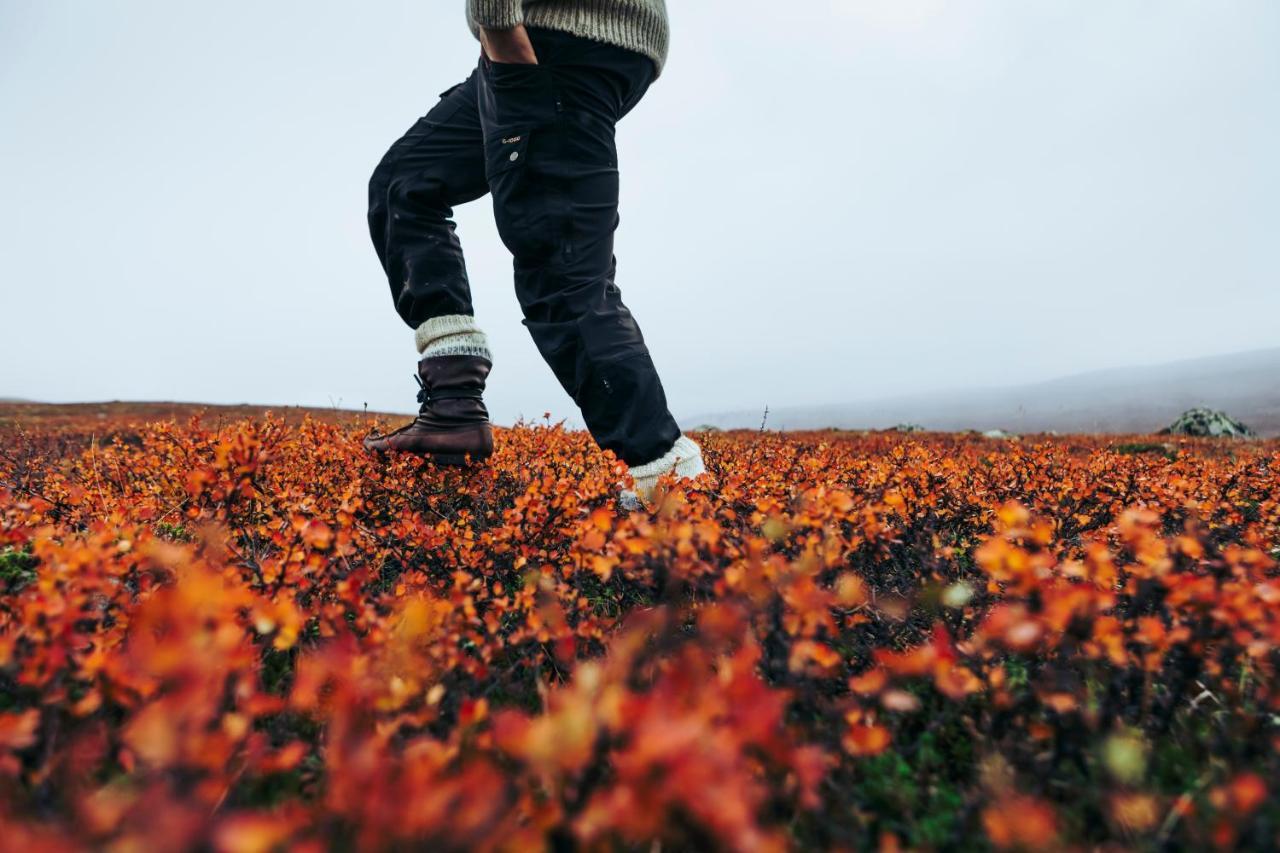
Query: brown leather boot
point(453, 423)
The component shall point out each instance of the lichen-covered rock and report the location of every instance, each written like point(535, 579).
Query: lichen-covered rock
point(998, 433)
point(1207, 423)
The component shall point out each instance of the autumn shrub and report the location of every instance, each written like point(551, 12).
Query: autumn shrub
point(254, 636)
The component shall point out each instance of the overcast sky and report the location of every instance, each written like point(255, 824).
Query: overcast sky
point(821, 201)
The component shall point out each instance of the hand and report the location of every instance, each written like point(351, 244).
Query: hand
point(511, 45)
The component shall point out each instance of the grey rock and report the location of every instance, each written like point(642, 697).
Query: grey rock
point(1207, 423)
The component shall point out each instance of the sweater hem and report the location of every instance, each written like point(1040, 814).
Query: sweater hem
point(640, 30)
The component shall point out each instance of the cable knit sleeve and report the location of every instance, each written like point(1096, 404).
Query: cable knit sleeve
point(496, 14)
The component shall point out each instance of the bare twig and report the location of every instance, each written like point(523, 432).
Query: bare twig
point(1178, 807)
point(1207, 694)
point(97, 478)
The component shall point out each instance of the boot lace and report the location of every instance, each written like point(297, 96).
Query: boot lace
point(426, 395)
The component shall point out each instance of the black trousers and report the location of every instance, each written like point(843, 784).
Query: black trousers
point(540, 139)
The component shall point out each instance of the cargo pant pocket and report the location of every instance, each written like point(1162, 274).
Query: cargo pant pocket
point(506, 150)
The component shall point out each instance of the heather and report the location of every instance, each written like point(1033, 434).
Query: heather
point(250, 634)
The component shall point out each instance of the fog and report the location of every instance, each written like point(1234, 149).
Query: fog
point(1119, 400)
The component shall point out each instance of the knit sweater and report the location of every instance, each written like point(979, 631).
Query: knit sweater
point(638, 25)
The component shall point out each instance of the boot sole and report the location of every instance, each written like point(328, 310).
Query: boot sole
point(454, 459)
point(438, 457)
point(450, 459)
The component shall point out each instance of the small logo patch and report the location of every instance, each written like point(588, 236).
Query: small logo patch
point(511, 139)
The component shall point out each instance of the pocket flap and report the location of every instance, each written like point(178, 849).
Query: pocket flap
point(507, 150)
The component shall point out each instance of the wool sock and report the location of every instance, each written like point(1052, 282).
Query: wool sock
point(684, 458)
point(451, 334)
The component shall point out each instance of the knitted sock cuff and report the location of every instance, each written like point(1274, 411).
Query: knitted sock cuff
point(451, 334)
point(684, 457)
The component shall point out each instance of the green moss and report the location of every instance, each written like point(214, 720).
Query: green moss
point(174, 532)
point(918, 792)
point(1168, 451)
point(17, 569)
point(1016, 670)
point(1178, 759)
point(277, 670)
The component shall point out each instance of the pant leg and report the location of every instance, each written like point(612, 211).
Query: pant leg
point(552, 169)
point(437, 164)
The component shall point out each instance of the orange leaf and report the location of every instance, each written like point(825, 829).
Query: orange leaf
point(18, 731)
point(862, 740)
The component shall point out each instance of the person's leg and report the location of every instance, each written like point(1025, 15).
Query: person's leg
point(438, 164)
point(553, 173)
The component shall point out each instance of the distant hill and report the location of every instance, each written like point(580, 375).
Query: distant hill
point(1125, 400)
point(23, 413)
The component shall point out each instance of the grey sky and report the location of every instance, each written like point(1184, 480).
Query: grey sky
point(822, 201)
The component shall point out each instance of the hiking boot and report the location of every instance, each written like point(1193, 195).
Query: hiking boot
point(452, 423)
